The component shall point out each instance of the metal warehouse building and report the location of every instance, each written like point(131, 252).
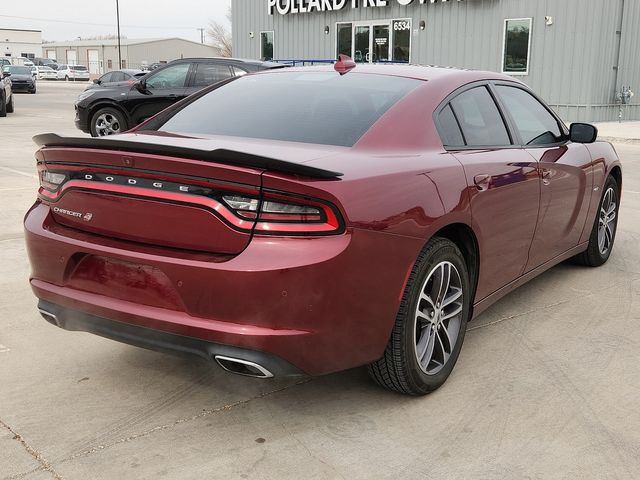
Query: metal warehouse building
point(578, 54)
point(101, 56)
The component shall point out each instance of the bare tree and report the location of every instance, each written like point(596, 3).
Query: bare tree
point(220, 36)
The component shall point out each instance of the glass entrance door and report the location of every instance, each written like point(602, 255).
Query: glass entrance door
point(375, 42)
point(380, 43)
point(362, 44)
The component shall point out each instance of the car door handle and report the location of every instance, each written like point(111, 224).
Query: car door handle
point(482, 181)
point(173, 95)
point(546, 175)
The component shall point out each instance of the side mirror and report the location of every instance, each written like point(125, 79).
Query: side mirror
point(583, 133)
point(96, 81)
point(6, 74)
point(141, 86)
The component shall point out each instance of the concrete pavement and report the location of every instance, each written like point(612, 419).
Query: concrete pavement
point(546, 387)
point(625, 132)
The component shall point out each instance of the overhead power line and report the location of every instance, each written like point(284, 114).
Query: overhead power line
point(72, 22)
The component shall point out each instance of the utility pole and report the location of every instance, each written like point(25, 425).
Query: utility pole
point(201, 34)
point(119, 48)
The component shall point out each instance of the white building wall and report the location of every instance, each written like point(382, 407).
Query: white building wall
point(16, 43)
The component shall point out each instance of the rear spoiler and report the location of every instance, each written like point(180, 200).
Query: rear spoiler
point(228, 157)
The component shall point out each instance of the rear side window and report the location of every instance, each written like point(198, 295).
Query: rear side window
point(534, 122)
point(210, 73)
point(308, 107)
point(449, 129)
point(480, 119)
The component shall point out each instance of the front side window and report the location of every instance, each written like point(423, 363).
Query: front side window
point(479, 118)
point(517, 38)
point(118, 77)
point(106, 78)
point(174, 76)
point(308, 107)
point(210, 73)
point(266, 46)
point(534, 122)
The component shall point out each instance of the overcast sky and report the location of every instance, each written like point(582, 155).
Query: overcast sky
point(138, 18)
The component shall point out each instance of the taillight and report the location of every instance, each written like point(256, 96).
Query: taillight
point(279, 214)
point(51, 180)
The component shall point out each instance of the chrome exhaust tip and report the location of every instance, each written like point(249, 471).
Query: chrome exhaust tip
point(48, 316)
point(242, 367)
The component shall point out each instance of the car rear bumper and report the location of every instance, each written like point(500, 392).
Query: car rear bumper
point(161, 341)
point(319, 304)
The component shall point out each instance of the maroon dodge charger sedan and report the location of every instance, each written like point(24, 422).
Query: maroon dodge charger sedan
point(305, 221)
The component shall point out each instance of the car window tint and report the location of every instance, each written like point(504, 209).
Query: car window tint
point(449, 129)
point(106, 78)
point(210, 73)
point(174, 76)
point(308, 107)
point(480, 119)
point(118, 77)
point(534, 122)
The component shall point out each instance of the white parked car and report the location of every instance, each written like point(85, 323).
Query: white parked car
point(73, 72)
point(46, 73)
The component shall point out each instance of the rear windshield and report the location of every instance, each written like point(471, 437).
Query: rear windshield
point(19, 70)
point(309, 107)
point(79, 68)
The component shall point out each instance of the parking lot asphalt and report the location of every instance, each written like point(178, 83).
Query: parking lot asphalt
point(546, 387)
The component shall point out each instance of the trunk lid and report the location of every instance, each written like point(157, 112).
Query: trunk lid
point(166, 190)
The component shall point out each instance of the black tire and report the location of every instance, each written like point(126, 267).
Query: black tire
point(33, 91)
point(3, 106)
point(398, 369)
point(66, 78)
point(593, 256)
point(122, 121)
point(10, 105)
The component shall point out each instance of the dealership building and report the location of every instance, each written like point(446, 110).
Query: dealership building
point(582, 56)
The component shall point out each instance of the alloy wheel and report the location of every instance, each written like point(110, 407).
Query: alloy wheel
point(607, 220)
point(438, 317)
point(107, 124)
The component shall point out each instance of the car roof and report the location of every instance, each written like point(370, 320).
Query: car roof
point(420, 72)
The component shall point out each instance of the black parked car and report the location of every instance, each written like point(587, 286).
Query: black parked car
point(110, 110)
point(117, 78)
point(45, 62)
point(22, 78)
point(6, 94)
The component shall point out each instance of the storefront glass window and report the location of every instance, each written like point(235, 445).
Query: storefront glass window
point(345, 31)
point(401, 40)
point(517, 37)
point(266, 46)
